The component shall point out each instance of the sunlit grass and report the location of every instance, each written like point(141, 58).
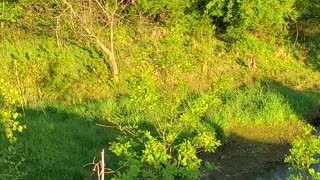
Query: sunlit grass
point(267, 104)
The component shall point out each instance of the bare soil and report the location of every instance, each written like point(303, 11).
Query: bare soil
point(251, 150)
point(244, 160)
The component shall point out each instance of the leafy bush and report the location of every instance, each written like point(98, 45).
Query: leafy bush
point(10, 160)
point(10, 12)
point(8, 115)
point(266, 18)
point(165, 9)
point(303, 152)
point(162, 133)
point(261, 18)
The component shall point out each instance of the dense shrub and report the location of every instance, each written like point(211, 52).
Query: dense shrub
point(8, 116)
point(267, 18)
point(305, 151)
point(162, 133)
point(10, 12)
point(164, 9)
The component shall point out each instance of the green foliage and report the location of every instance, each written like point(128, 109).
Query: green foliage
point(297, 177)
point(46, 72)
point(162, 134)
point(167, 104)
point(184, 17)
point(303, 151)
point(253, 105)
point(40, 16)
point(59, 141)
point(165, 9)
point(10, 161)
point(263, 17)
point(10, 165)
point(159, 160)
point(8, 115)
point(10, 12)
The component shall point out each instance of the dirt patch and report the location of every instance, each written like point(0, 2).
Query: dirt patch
point(252, 150)
point(243, 160)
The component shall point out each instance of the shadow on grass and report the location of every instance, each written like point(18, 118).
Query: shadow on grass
point(249, 153)
point(57, 144)
point(305, 104)
point(59, 141)
point(308, 31)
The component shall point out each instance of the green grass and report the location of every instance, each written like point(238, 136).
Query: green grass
point(58, 143)
point(269, 104)
point(42, 71)
point(253, 105)
point(64, 91)
point(61, 139)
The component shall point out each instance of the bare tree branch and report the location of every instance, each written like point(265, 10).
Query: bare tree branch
point(84, 25)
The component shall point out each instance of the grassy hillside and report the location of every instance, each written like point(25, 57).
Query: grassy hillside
point(186, 72)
